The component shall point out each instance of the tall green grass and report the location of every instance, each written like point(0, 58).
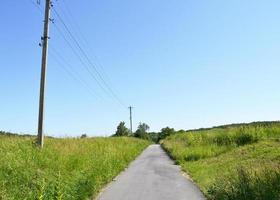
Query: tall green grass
point(248, 184)
point(64, 169)
point(214, 156)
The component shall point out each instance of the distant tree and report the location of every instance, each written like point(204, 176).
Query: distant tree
point(166, 132)
point(83, 136)
point(142, 130)
point(122, 130)
point(154, 136)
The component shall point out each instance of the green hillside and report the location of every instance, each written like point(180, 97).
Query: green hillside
point(240, 161)
point(64, 169)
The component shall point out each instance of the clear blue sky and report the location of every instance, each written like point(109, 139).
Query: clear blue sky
point(185, 64)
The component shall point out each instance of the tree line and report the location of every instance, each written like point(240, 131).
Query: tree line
point(142, 132)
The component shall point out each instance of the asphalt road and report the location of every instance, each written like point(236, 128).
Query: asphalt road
point(152, 176)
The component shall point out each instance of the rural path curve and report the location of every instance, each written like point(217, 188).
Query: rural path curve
point(152, 176)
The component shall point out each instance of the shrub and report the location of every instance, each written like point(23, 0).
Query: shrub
point(243, 139)
point(84, 136)
point(245, 136)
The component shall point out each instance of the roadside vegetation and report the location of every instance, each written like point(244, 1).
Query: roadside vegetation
point(142, 132)
point(231, 162)
point(64, 168)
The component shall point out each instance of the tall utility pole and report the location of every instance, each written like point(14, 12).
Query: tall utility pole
point(130, 112)
point(45, 38)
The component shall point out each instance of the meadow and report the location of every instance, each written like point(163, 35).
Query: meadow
point(231, 162)
point(64, 168)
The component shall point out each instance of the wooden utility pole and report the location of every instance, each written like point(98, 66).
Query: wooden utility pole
point(130, 112)
point(45, 38)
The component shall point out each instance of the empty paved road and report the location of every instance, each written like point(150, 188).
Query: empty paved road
point(152, 176)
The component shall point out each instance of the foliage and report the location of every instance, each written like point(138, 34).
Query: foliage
point(157, 136)
point(141, 131)
point(212, 157)
point(84, 136)
point(4, 133)
point(154, 137)
point(65, 168)
point(165, 132)
point(122, 130)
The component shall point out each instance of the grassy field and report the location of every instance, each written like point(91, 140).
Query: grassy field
point(231, 162)
point(64, 169)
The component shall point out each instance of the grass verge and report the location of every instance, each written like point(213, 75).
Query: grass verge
point(234, 162)
point(65, 168)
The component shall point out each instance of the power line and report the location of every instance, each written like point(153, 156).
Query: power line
point(88, 59)
point(44, 44)
point(80, 59)
point(37, 6)
point(74, 51)
point(85, 41)
point(73, 75)
point(107, 88)
point(77, 28)
point(68, 43)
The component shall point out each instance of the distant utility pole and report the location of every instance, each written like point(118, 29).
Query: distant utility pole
point(130, 112)
point(45, 38)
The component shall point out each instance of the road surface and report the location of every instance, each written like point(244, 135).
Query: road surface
point(152, 176)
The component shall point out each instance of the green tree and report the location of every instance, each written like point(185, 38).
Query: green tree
point(122, 130)
point(166, 132)
point(142, 130)
point(154, 136)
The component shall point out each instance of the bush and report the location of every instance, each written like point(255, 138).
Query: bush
point(245, 136)
point(84, 136)
point(243, 139)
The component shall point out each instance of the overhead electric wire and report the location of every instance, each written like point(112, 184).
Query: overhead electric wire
point(76, 27)
point(72, 48)
point(88, 59)
point(36, 5)
point(107, 88)
point(80, 34)
point(79, 57)
point(56, 55)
